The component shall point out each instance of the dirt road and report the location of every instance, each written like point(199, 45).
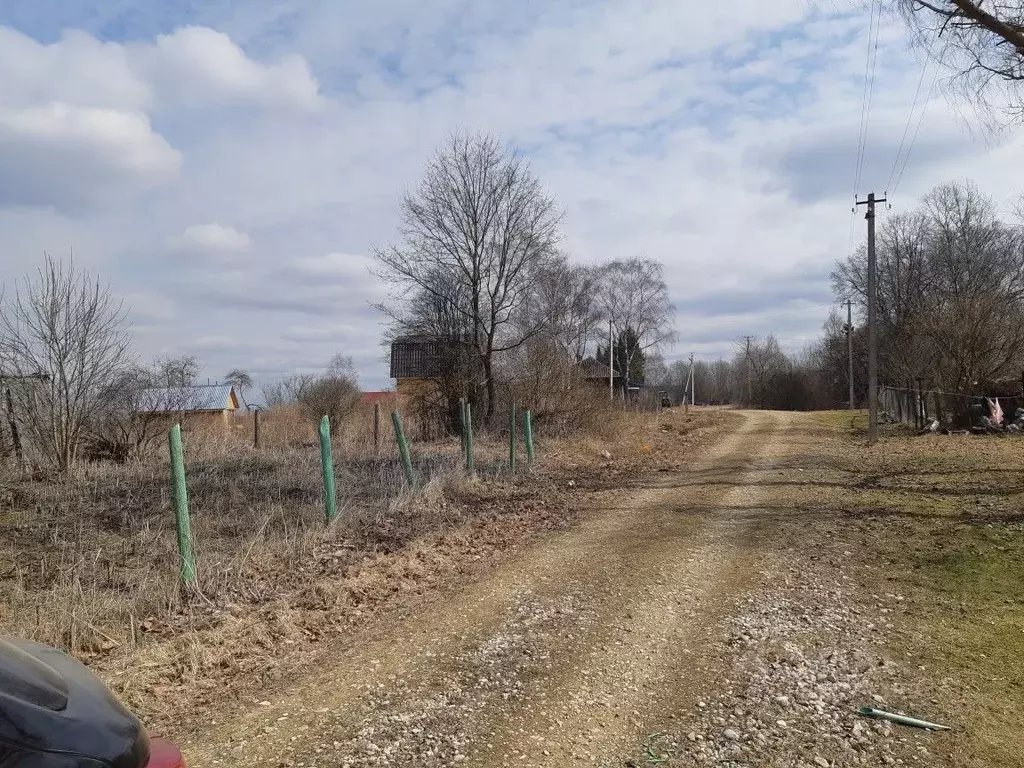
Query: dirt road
point(670, 625)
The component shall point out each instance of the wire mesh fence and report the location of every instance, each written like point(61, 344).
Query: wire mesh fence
point(934, 409)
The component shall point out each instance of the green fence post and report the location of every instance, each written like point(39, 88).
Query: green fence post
point(512, 439)
point(327, 469)
point(528, 434)
point(470, 468)
point(181, 519)
point(403, 449)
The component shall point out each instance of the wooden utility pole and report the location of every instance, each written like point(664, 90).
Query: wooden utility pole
point(872, 336)
point(693, 396)
point(256, 429)
point(849, 348)
point(611, 364)
point(750, 382)
point(376, 426)
point(12, 422)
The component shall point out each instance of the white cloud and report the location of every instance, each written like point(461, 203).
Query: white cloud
point(196, 66)
point(71, 157)
point(77, 69)
point(212, 237)
point(280, 135)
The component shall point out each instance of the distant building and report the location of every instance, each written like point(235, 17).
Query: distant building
point(384, 397)
point(419, 364)
point(202, 404)
point(596, 374)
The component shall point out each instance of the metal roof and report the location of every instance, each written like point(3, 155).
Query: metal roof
point(418, 357)
point(194, 399)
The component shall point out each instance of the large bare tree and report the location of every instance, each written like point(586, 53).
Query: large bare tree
point(63, 337)
point(475, 233)
point(981, 43)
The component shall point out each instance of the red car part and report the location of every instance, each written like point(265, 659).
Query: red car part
point(163, 754)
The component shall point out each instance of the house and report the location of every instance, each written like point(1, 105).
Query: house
point(200, 404)
point(430, 374)
point(596, 374)
point(419, 364)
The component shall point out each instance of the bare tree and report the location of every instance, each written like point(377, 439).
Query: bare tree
point(341, 366)
point(66, 327)
point(633, 295)
point(950, 291)
point(134, 412)
point(475, 233)
point(177, 371)
point(241, 381)
point(562, 307)
point(981, 43)
point(290, 389)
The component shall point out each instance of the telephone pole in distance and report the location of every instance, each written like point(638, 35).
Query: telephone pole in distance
point(693, 398)
point(750, 383)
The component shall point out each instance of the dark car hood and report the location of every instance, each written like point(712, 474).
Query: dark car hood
point(50, 703)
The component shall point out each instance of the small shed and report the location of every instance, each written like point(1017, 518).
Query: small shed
point(202, 403)
point(593, 372)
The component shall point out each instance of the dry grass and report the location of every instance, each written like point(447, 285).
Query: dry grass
point(93, 560)
point(939, 520)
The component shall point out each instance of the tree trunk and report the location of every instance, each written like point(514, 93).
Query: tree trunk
point(488, 374)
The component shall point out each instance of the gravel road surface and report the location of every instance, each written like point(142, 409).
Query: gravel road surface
point(672, 626)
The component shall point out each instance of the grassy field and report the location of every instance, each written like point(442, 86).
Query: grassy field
point(91, 562)
point(939, 520)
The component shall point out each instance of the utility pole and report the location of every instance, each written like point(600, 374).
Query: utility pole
point(611, 363)
point(693, 397)
point(849, 347)
point(750, 383)
point(872, 339)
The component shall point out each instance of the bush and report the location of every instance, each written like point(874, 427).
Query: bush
point(332, 396)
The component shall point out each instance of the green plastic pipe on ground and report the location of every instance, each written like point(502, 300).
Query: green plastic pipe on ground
point(880, 714)
point(181, 518)
point(327, 470)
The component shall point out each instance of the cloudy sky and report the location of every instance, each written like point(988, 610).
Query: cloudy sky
point(227, 166)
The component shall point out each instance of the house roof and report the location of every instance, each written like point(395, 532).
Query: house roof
point(195, 399)
point(375, 397)
point(594, 370)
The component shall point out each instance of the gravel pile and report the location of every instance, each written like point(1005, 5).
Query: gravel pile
point(803, 661)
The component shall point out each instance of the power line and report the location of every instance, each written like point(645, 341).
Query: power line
point(910, 119)
point(874, 23)
point(913, 139)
